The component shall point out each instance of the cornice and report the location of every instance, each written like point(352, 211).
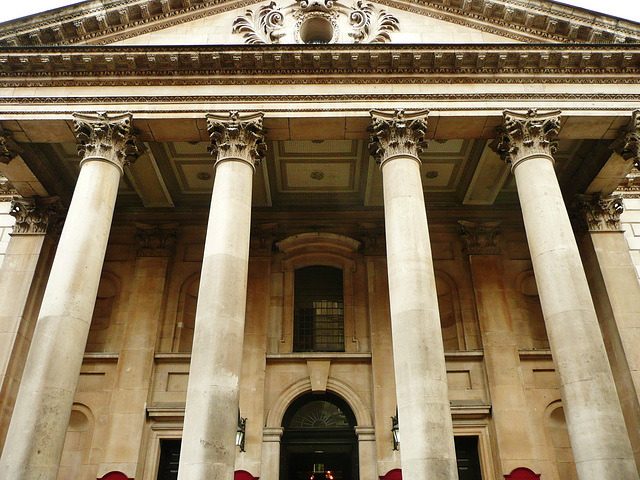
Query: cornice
point(107, 21)
point(213, 63)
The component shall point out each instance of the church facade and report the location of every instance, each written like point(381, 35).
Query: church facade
point(307, 240)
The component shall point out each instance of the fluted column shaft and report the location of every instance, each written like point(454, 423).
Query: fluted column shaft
point(211, 415)
point(596, 426)
point(427, 449)
point(43, 406)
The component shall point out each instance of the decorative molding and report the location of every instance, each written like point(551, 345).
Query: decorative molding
point(380, 60)
point(8, 148)
point(525, 134)
point(34, 215)
point(265, 26)
point(108, 137)
point(371, 24)
point(630, 186)
point(155, 241)
point(598, 213)
point(480, 238)
point(397, 133)
point(627, 145)
point(240, 138)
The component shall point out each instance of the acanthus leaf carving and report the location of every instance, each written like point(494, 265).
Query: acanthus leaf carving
point(370, 24)
point(109, 137)
point(8, 148)
point(155, 241)
point(627, 145)
point(237, 137)
point(261, 28)
point(397, 133)
point(599, 212)
point(481, 238)
point(524, 134)
point(33, 215)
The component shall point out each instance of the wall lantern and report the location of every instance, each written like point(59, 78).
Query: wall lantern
point(395, 430)
point(240, 433)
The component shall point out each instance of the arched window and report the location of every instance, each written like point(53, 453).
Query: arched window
point(318, 310)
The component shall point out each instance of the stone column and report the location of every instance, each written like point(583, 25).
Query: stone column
point(427, 449)
point(596, 426)
point(211, 415)
point(43, 406)
point(22, 278)
point(509, 408)
point(127, 413)
point(616, 293)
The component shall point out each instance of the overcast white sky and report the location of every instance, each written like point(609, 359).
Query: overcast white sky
point(629, 9)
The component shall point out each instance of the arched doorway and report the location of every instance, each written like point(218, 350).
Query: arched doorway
point(319, 440)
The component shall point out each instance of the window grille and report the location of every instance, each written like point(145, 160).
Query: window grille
point(318, 310)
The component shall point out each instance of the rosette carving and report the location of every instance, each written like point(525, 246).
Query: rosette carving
point(397, 133)
point(237, 137)
point(524, 134)
point(627, 145)
point(264, 27)
point(370, 24)
point(108, 137)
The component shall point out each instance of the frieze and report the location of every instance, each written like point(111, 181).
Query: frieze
point(121, 20)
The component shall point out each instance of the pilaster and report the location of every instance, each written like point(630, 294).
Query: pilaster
point(22, 276)
point(616, 294)
point(127, 413)
point(515, 437)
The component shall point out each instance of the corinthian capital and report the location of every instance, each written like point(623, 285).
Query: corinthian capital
point(155, 241)
point(236, 137)
point(599, 213)
point(397, 133)
point(627, 145)
point(107, 137)
point(33, 215)
point(8, 148)
point(526, 134)
point(480, 238)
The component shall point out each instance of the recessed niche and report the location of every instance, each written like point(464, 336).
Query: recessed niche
point(316, 30)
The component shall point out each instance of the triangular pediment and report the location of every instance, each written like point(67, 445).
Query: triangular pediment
point(193, 22)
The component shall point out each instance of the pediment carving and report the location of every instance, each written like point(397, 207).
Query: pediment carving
point(317, 22)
